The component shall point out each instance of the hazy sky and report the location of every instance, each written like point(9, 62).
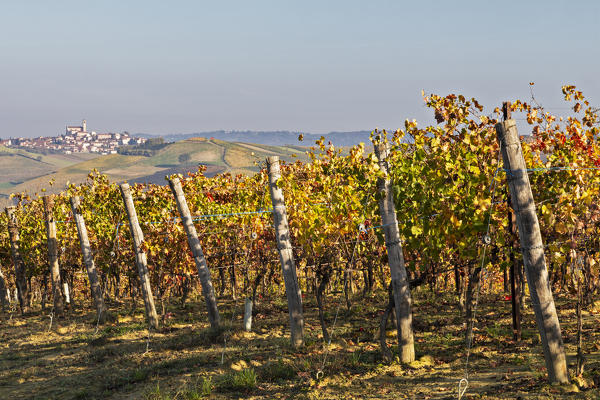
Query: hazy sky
point(314, 66)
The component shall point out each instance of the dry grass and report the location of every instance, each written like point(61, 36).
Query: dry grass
point(188, 361)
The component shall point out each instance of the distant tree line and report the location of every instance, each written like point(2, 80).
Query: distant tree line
point(147, 149)
point(184, 158)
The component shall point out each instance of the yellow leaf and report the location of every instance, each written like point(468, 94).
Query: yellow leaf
point(560, 228)
point(455, 221)
point(415, 230)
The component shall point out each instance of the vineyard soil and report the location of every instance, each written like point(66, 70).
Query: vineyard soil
point(70, 360)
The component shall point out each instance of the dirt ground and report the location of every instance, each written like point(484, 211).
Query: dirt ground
point(185, 360)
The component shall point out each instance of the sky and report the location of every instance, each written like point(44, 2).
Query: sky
point(309, 66)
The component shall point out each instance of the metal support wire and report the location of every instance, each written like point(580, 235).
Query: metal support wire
point(320, 373)
point(463, 383)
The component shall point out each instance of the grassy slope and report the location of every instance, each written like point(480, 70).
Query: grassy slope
point(73, 360)
point(59, 160)
point(73, 173)
point(18, 165)
point(218, 155)
point(200, 151)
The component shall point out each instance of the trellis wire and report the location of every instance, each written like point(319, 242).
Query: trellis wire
point(194, 218)
point(229, 331)
point(13, 307)
point(51, 316)
point(320, 372)
point(463, 384)
point(148, 340)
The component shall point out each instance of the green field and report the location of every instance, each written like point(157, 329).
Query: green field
point(17, 167)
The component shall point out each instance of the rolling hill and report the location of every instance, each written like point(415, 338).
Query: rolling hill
point(178, 157)
point(279, 138)
point(18, 166)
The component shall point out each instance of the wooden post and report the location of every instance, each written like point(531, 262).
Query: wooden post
point(532, 249)
point(48, 202)
point(402, 298)
point(140, 256)
point(194, 243)
point(20, 279)
point(286, 256)
point(4, 291)
point(88, 260)
point(515, 283)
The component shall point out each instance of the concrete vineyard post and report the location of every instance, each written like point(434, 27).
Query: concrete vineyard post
point(88, 260)
point(140, 256)
point(532, 249)
point(400, 284)
point(194, 243)
point(53, 254)
point(284, 246)
point(248, 315)
point(20, 279)
point(66, 290)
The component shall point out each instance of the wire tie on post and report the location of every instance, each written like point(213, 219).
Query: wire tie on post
point(462, 389)
point(51, 319)
point(540, 246)
point(487, 239)
point(98, 321)
point(148, 340)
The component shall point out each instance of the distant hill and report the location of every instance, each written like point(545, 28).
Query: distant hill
point(178, 157)
point(18, 165)
point(273, 138)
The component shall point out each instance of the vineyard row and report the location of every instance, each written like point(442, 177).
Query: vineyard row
point(427, 207)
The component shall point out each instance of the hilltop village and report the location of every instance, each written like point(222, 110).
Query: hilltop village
point(76, 139)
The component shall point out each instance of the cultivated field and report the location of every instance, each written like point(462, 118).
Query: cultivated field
point(22, 171)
